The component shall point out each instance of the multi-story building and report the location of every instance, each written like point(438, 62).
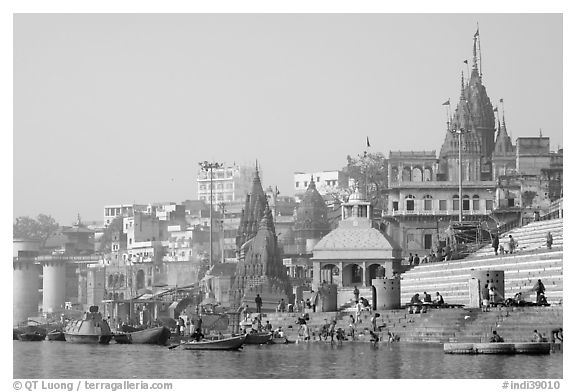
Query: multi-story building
point(229, 183)
point(327, 182)
point(114, 210)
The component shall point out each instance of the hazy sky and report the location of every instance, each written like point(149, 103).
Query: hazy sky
point(118, 108)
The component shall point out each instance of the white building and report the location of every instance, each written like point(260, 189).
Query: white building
point(113, 210)
point(230, 183)
point(327, 182)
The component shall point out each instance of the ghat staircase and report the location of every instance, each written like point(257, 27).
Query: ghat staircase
point(531, 261)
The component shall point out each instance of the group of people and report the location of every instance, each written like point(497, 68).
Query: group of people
point(417, 303)
point(433, 257)
point(512, 244)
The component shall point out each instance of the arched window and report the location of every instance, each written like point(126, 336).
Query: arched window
point(428, 203)
point(465, 203)
point(455, 203)
point(427, 174)
point(476, 203)
point(410, 203)
point(406, 177)
point(417, 174)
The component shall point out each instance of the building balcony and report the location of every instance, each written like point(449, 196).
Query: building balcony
point(435, 212)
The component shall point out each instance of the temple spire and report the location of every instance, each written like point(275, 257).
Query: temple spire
point(462, 96)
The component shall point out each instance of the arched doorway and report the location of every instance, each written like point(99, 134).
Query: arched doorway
point(352, 275)
point(327, 273)
point(373, 272)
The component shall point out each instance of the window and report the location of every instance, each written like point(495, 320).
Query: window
point(297, 184)
point(394, 206)
point(511, 202)
point(489, 205)
point(305, 183)
point(317, 179)
point(442, 205)
point(427, 241)
point(476, 203)
point(410, 203)
point(428, 203)
point(465, 203)
point(455, 203)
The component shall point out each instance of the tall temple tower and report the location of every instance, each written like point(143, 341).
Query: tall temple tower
point(252, 213)
point(260, 268)
point(475, 115)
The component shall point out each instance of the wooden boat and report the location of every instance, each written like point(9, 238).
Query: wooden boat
point(233, 343)
point(532, 348)
point(280, 341)
point(258, 338)
point(32, 333)
point(32, 336)
point(156, 335)
point(16, 333)
point(56, 335)
point(497, 348)
point(92, 329)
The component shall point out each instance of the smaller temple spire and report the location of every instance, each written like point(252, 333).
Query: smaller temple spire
point(312, 184)
point(462, 87)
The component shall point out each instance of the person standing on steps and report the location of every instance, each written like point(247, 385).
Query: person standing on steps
point(495, 243)
point(549, 240)
point(485, 297)
point(410, 259)
point(511, 244)
point(258, 301)
point(416, 259)
point(356, 294)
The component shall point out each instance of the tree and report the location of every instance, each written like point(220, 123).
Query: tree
point(114, 230)
point(39, 229)
point(370, 174)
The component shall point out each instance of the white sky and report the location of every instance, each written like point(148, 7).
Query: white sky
point(112, 108)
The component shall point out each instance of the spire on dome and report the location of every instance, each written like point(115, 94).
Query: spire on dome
point(312, 184)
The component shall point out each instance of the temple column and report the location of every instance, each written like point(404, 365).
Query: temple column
point(26, 283)
point(53, 284)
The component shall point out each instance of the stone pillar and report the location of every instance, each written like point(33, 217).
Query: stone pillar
point(387, 293)
point(327, 298)
point(53, 284)
point(26, 283)
point(485, 276)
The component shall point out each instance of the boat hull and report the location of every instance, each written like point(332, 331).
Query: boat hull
point(31, 337)
point(233, 343)
point(88, 339)
point(157, 335)
point(280, 341)
point(56, 336)
point(258, 338)
point(497, 348)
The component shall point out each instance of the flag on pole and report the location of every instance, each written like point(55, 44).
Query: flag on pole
point(446, 103)
point(465, 61)
point(367, 142)
point(501, 100)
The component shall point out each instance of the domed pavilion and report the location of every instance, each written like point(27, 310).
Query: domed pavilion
point(352, 254)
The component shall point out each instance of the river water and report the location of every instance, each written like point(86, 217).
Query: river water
point(57, 360)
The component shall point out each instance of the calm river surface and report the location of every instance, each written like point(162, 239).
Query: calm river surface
point(313, 360)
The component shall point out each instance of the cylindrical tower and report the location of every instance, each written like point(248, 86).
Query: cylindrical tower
point(26, 279)
point(386, 293)
point(26, 283)
point(53, 284)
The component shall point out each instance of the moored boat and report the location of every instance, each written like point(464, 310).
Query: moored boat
point(258, 338)
point(283, 340)
point(92, 328)
point(497, 348)
point(233, 343)
point(156, 335)
point(56, 335)
point(32, 336)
